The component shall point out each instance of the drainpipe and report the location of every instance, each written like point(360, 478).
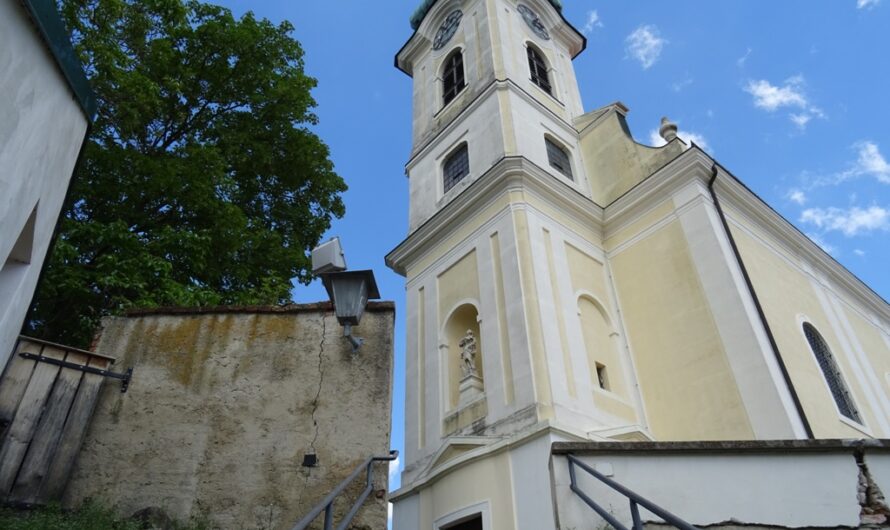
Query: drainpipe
point(760, 313)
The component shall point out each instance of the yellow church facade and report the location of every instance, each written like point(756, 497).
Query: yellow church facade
point(567, 283)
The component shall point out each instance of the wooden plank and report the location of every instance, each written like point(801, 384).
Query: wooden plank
point(68, 349)
point(26, 490)
point(73, 433)
point(25, 422)
point(13, 384)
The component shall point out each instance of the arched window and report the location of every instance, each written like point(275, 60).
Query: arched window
point(453, 76)
point(456, 167)
point(832, 374)
point(538, 68)
point(558, 157)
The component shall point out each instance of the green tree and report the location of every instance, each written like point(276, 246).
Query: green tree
point(202, 182)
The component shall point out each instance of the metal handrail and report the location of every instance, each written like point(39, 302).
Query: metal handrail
point(327, 504)
point(635, 499)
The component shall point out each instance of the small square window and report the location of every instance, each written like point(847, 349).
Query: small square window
point(602, 376)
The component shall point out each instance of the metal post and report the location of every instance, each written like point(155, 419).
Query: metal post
point(635, 513)
point(329, 516)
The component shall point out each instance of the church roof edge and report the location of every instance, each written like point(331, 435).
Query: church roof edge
point(420, 13)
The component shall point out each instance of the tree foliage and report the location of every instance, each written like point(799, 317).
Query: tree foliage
point(202, 182)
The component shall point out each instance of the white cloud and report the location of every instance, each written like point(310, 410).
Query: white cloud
point(791, 94)
point(593, 21)
point(645, 45)
point(389, 515)
point(678, 86)
point(871, 162)
point(850, 222)
point(801, 120)
point(821, 242)
point(689, 137)
point(867, 4)
point(797, 196)
point(859, 252)
point(740, 62)
point(770, 97)
point(394, 469)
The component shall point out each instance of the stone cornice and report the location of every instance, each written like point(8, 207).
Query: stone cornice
point(508, 174)
point(723, 447)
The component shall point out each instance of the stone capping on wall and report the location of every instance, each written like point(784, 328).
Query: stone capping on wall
point(738, 446)
point(374, 307)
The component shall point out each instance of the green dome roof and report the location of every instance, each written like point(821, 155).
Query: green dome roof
point(425, 7)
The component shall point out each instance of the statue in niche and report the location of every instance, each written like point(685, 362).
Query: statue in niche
point(468, 353)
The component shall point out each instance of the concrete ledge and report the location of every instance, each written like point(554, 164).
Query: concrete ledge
point(374, 307)
point(737, 446)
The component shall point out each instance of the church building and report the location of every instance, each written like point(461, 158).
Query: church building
point(566, 283)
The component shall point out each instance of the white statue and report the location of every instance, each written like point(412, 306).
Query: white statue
point(468, 353)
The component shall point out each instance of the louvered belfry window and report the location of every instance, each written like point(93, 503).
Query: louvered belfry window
point(538, 69)
point(832, 374)
point(453, 77)
point(456, 167)
point(558, 158)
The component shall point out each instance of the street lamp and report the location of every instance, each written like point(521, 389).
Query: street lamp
point(349, 291)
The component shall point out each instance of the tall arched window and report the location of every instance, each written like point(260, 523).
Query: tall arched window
point(538, 68)
point(453, 76)
point(832, 373)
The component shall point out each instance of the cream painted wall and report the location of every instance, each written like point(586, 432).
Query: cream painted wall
point(789, 297)
point(509, 485)
point(41, 131)
point(685, 378)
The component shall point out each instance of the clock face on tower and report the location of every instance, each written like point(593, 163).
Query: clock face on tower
point(446, 31)
point(534, 22)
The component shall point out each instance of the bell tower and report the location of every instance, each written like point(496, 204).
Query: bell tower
point(493, 76)
point(513, 338)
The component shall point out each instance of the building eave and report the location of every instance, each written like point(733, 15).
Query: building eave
point(55, 37)
point(734, 193)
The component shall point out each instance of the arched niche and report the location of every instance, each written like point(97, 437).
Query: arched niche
point(463, 318)
point(601, 343)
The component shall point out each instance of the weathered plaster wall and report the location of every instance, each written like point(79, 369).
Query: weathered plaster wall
point(41, 130)
point(223, 406)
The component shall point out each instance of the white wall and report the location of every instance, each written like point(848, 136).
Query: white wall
point(41, 130)
point(777, 488)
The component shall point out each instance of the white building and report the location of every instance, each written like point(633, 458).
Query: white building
point(45, 113)
point(568, 284)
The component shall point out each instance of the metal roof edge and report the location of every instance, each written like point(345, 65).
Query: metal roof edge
point(47, 20)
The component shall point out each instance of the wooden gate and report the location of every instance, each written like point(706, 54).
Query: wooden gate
point(45, 410)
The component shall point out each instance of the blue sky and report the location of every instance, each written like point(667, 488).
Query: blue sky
point(790, 96)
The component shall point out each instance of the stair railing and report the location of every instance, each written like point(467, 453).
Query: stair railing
point(327, 504)
point(634, 498)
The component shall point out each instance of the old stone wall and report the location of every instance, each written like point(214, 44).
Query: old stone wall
point(225, 403)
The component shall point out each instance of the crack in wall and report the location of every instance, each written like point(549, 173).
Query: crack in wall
point(873, 505)
point(320, 381)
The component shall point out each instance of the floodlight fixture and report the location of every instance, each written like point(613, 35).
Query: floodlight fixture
point(349, 291)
